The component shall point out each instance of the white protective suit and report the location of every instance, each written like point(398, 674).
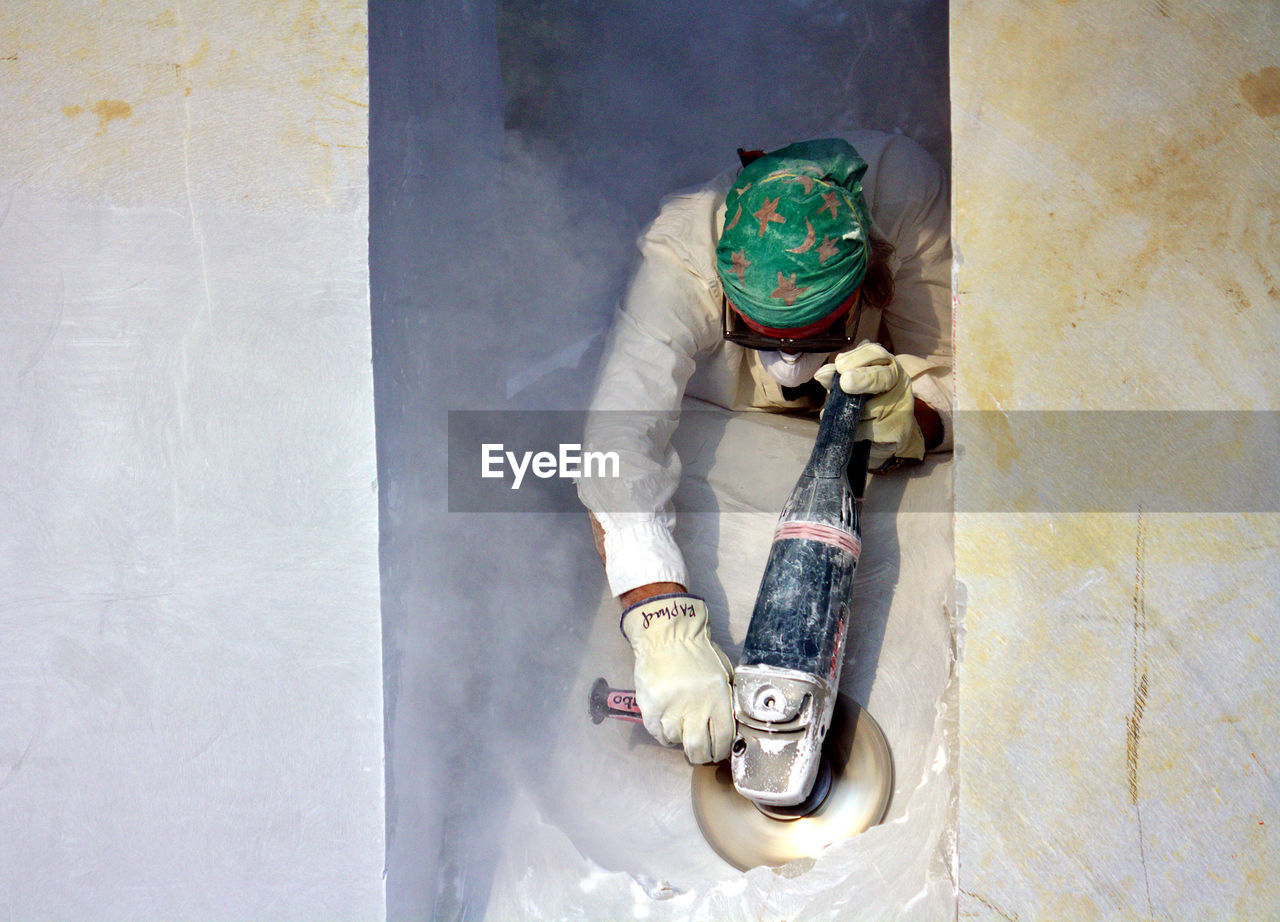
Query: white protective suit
point(667, 341)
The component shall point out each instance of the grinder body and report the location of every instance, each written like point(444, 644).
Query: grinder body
point(787, 680)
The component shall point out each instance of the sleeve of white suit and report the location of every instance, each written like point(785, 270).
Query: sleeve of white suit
point(665, 320)
point(912, 208)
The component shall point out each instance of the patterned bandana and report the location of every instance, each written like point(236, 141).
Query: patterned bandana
point(796, 235)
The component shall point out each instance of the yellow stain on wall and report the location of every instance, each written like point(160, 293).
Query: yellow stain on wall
point(109, 110)
point(200, 54)
point(232, 94)
point(1261, 91)
point(163, 20)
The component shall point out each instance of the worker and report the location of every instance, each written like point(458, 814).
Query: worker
point(745, 290)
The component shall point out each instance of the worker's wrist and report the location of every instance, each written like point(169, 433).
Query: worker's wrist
point(648, 591)
point(930, 423)
point(665, 618)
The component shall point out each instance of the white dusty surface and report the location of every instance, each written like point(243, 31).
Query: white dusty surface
point(1117, 177)
point(190, 704)
point(603, 827)
point(518, 148)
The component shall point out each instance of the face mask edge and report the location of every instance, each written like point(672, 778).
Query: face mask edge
point(793, 372)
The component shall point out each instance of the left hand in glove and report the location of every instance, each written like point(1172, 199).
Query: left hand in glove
point(888, 416)
point(683, 679)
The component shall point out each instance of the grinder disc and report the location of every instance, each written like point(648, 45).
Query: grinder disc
point(861, 773)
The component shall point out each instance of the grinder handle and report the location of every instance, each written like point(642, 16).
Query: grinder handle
point(833, 448)
point(618, 703)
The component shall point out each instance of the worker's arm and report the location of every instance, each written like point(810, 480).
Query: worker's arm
point(913, 212)
point(667, 317)
point(640, 593)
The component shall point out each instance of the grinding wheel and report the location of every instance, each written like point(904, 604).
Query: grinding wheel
point(861, 782)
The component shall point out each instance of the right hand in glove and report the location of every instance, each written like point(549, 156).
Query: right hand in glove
point(682, 678)
point(888, 416)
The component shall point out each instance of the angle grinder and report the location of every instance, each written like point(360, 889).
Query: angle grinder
point(784, 794)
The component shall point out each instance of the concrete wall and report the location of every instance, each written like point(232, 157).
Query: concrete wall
point(1116, 170)
point(190, 707)
point(190, 710)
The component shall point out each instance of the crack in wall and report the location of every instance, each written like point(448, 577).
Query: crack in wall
point(1133, 723)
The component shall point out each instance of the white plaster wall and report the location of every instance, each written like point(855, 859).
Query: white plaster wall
point(1116, 179)
point(190, 700)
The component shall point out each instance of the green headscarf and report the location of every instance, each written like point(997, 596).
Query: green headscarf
point(796, 234)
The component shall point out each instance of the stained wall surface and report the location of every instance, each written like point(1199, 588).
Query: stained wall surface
point(190, 703)
point(1116, 182)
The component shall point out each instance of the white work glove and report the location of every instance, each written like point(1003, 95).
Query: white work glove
point(889, 413)
point(682, 677)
